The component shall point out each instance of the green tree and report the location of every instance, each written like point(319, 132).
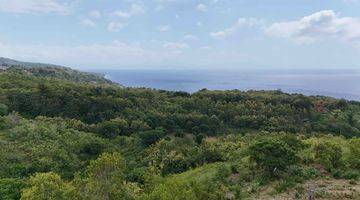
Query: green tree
point(10, 188)
point(105, 179)
point(150, 137)
point(354, 159)
point(173, 156)
point(3, 109)
point(328, 153)
point(45, 186)
point(272, 154)
point(113, 128)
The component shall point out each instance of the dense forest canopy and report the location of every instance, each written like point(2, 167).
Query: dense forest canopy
point(82, 137)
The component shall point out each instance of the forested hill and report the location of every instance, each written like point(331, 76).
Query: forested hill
point(51, 71)
point(62, 138)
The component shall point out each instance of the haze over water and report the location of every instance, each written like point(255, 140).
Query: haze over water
point(334, 83)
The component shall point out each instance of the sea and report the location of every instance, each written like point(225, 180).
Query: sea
point(335, 83)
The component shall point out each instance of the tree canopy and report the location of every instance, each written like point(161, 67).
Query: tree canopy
point(62, 138)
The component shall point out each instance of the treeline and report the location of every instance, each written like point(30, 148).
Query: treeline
point(128, 110)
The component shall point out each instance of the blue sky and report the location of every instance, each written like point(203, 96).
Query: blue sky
point(174, 34)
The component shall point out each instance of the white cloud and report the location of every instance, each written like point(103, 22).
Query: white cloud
point(95, 14)
point(199, 24)
point(242, 22)
point(34, 7)
point(115, 26)
point(206, 48)
point(190, 37)
point(135, 9)
point(220, 33)
point(164, 28)
point(318, 26)
point(87, 23)
point(172, 1)
point(201, 7)
point(175, 45)
point(115, 54)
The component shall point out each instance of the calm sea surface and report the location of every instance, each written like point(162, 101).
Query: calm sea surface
point(339, 84)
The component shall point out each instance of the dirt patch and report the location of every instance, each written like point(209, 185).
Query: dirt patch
point(320, 190)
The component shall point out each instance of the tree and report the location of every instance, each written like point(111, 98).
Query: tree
point(354, 147)
point(113, 128)
point(173, 156)
point(44, 186)
point(150, 137)
point(3, 109)
point(10, 188)
point(328, 153)
point(272, 154)
point(105, 179)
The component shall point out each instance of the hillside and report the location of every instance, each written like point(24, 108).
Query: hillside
point(51, 71)
point(62, 138)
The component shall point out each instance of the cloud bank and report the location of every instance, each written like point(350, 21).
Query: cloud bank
point(35, 7)
point(319, 26)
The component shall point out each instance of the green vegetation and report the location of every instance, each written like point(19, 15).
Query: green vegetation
point(52, 71)
point(62, 138)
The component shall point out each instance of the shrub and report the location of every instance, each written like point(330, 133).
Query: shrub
point(113, 128)
point(179, 189)
point(151, 137)
point(10, 188)
point(284, 185)
point(273, 154)
point(3, 109)
point(354, 147)
point(223, 172)
point(173, 156)
point(348, 174)
point(48, 186)
point(199, 138)
point(328, 153)
point(311, 172)
point(105, 179)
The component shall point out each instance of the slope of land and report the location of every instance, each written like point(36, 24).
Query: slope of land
point(67, 139)
point(51, 71)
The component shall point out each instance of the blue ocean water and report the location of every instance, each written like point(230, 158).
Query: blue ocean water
point(335, 83)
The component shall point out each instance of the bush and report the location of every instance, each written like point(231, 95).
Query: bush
point(173, 156)
point(45, 186)
point(223, 172)
point(296, 170)
point(113, 128)
point(272, 154)
point(354, 154)
point(151, 137)
point(3, 109)
point(179, 189)
point(348, 174)
point(199, 138)
point(105, 179)
point(10, 188)
point(284, 185)
point(328, 153)
point(311, 172)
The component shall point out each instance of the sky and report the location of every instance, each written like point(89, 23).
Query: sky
point(183, 34)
